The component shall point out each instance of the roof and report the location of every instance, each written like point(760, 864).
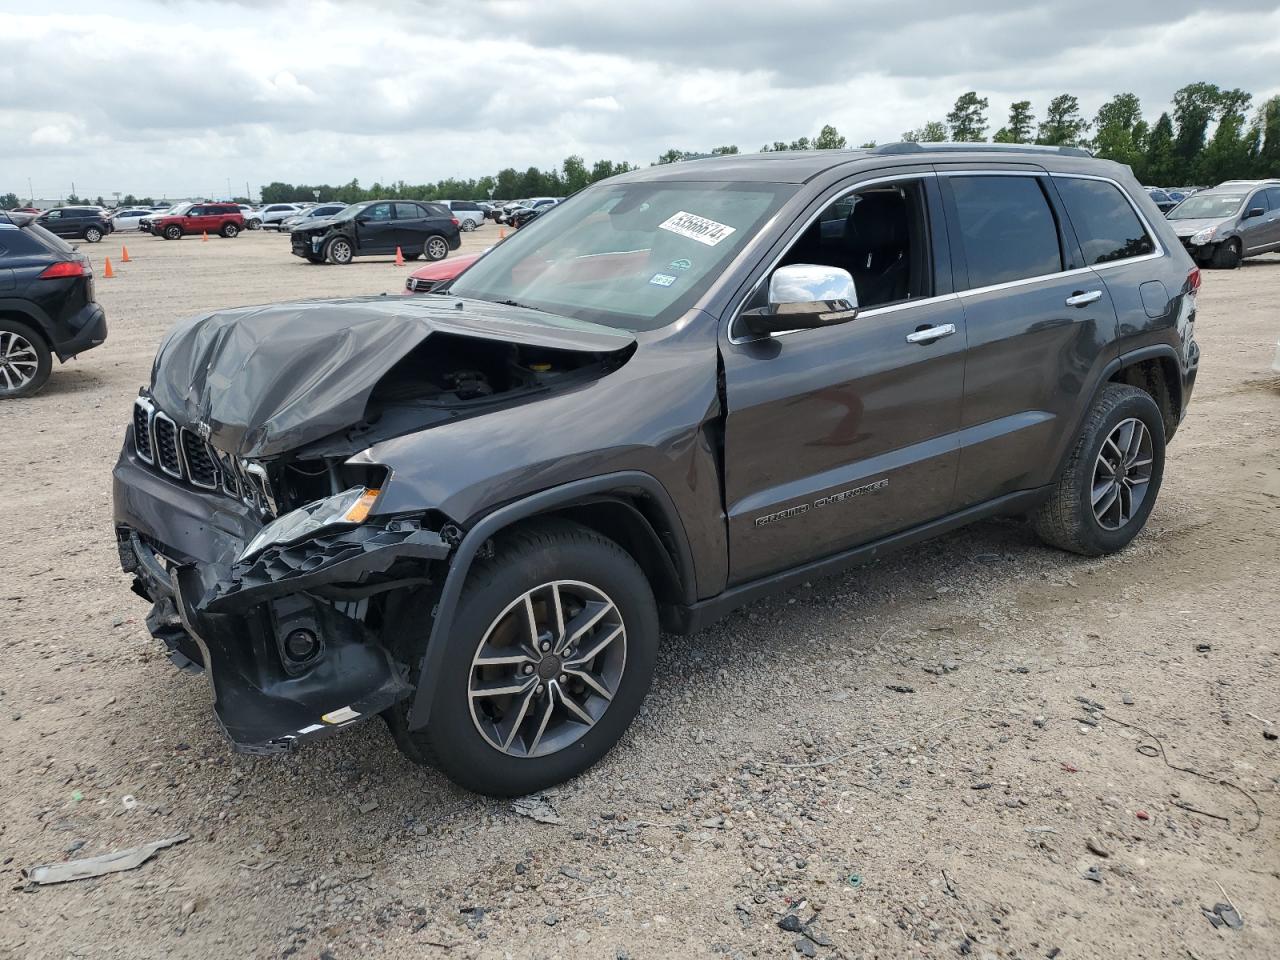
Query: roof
point(800, 166)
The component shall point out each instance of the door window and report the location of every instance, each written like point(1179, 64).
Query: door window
point(1105, 222)
point(379, 211)
point(1273, 196)
point(1007, 229)
point(1259, 199)
point(880, 235)
point(408, 211)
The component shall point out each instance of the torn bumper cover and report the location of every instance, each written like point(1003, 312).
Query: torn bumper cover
point(284, 636)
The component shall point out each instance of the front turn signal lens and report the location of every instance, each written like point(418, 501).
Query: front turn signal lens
point(359, 511)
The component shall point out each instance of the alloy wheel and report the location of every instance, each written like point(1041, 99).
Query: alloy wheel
point(437, 249)
point(340, 251)
point(547, 668)
point(1122, 474)
point(19, 361)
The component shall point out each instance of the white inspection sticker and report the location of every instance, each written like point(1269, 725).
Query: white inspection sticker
point(697, 228)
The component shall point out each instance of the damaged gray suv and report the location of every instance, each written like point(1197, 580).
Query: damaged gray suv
point(473, 512)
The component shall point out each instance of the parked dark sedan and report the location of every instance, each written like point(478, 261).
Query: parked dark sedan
point(416, 228)
point(46, 304)
point(77, 223)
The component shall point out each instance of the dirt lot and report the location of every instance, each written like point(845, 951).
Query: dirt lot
point(776, 767)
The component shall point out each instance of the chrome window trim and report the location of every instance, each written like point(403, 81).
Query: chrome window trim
point(186, 464)
point(177, 441)
point(150, 409)
point(962, 294)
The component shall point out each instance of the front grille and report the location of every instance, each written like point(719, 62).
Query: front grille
point(183, 455)
point(142, 411)
point(165, 435)
point(415, 285)
point(198, 460)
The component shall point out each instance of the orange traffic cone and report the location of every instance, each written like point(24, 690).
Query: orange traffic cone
point(399, 258)
point(205, 238)
point(124, 254)
point(502, 233)
point(109, 273)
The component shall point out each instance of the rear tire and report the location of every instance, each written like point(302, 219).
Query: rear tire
point(25, 360)
point(1226, 256)
point(229, 230)
point(435, 247)
point(1107, 489)
point(550, 743)
point(468, 225)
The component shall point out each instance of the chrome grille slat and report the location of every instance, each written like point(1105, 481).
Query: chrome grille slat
point(143, 445)
point(165, 435)
point(198, 461)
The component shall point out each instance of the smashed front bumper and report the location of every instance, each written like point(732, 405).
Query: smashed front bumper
point(246, 622)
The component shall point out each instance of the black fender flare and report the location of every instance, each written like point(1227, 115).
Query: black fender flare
point(496, 521)
point(1151, 352)
point(27, 312)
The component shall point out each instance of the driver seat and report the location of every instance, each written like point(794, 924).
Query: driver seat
point(875, 238)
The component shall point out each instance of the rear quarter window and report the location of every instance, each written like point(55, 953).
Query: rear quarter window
point(1105, 222)
point(438, 210)
point(1007, 229)
point(50, 240)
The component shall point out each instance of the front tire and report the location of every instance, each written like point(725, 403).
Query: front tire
point(468, 225)
point(550, 655)
point(254, 225)
point(339, 250)
point(435, 248)
point(93, 234)
point(1108, 487)
point(25, 360)
point(173, 232)
point(1226, 256)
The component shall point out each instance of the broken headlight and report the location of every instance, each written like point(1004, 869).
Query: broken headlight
point(348, 508)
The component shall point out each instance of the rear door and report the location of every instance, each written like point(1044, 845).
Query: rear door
point(411, 226)
point(836, 437)
point(1040, 324)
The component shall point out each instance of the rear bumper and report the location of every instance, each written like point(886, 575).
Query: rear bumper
point(234, 619)
point(90, 330)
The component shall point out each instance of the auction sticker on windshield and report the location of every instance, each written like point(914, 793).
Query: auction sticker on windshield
point(698, 228)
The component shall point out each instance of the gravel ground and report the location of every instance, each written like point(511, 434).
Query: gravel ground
point(947, 753)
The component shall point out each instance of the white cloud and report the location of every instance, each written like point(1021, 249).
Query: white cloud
point(178, 98)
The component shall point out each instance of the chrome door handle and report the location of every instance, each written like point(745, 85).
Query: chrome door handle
point(932, 333)
point(1079, 299)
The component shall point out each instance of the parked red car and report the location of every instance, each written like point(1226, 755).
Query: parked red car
point(425, 279)
point(225, 219)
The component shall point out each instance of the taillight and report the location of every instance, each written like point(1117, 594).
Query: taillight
point(455, 222)
point(63, 268)
point(1193, 279)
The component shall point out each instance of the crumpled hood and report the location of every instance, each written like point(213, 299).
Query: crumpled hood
point(1186, 228)
point(314, 223)
point(268, 379)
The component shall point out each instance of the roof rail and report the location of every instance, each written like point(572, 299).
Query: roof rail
point(953, 147)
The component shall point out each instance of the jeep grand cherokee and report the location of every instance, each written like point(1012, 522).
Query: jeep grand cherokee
point(472, 511)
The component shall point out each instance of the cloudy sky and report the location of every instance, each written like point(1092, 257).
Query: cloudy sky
point(182, 98)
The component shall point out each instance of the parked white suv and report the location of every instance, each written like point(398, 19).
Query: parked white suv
point(468, 213)
point(252, 218)
point(274, 214)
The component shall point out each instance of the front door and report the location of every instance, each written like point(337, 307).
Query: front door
point(375, 228)
point(836, 437)
point(1261, 232)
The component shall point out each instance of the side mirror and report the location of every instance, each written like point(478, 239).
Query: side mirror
point(804, 296)
point(1255, 212)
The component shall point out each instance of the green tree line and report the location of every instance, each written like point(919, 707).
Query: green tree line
point(1177, 149)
